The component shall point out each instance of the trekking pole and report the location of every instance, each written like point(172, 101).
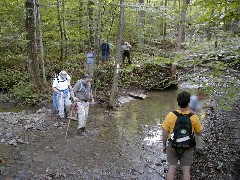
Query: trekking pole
point(69, 121)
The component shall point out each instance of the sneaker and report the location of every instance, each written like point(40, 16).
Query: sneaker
point(80, 132)
point(85, 133)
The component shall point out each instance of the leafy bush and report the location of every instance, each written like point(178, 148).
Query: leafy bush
point(25, 93)
point(9, 78)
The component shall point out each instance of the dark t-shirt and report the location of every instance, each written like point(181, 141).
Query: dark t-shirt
point(105, 49)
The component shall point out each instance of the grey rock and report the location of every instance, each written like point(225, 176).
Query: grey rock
point(12, 142)
point(21, 141)
point(8, 135)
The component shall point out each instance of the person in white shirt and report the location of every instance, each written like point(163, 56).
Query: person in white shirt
point(126, 52)
point(63, 88)
point(54, 98)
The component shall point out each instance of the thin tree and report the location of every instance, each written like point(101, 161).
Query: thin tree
point(141, 23)
point(181, 30)
point(165, 19)
point(61, 30)
point(65, 44)
point(81, 15)
point(41, 43)
point(118, 54)
point(97, 37)
point(33, 67)
point(90, 21)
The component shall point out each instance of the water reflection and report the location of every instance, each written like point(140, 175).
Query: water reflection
point(140, 120)
point(139, 123)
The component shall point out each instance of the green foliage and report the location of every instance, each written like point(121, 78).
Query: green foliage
point(9, 78)
point(25, 93)
point(4, 97)
point(13, 61)
point(211, 67)
point(148, 74)
point(206, 19)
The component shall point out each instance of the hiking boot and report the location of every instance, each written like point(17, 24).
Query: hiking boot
point(66, 115)
point(82, 132)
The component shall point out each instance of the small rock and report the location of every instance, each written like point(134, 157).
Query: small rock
point(220, 164)
point(28, 121)
point(9, 135)
point(21, 141)
point(28, 126)
point(35, 119)
point(12, 142)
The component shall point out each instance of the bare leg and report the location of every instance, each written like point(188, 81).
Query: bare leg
point(186, 172)
point(171, 172)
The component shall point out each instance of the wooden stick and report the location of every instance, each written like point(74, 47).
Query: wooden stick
point(69, 121)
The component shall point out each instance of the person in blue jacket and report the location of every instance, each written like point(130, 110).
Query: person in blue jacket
point(105, 48)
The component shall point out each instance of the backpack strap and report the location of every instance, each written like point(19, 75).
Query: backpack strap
point(190, 114)
point(178, 114)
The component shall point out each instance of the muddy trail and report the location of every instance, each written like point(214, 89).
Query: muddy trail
point(121, 144)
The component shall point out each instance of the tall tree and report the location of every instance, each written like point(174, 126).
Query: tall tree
point(181, 30)
point(64, 30)
point(90, 21)
point(118, 54)
point(81, 15)
point(141, 22)
point(61, 30)
point(97, 38)
point(33, 66)
point(41, 43)
point(165, 23)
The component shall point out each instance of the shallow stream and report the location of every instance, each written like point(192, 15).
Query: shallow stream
point(120, 144)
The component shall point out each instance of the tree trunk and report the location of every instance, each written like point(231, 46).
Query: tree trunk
point(165, 20)
point(141, 24)
point(61, 30)
point(90, 21)
point(174, 4)
point(118, 55)
point(114, 15)
point(33, 66)
point(181, 30)
point(65, 43)
point(97, 37)
point(80, 25)
point(41, 44)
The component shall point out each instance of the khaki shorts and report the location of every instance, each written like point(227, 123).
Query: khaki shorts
point(185, 160)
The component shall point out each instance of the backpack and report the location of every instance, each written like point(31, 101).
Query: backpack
point(182, 135)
